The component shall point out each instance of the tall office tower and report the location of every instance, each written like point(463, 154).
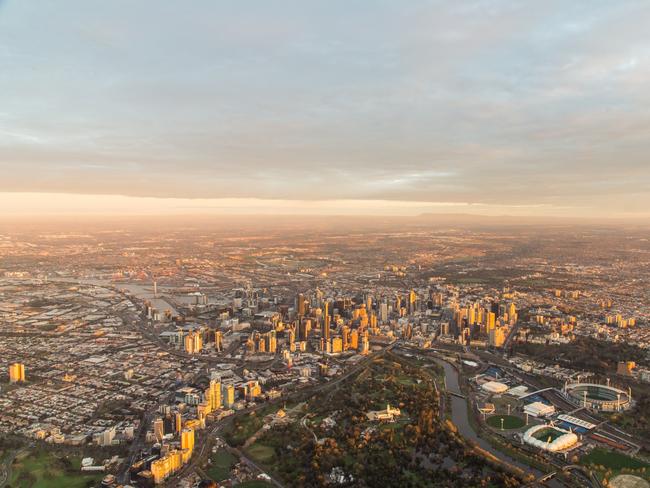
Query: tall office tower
point(346, 337)
point(368, 303)
point(412, 301)
point(218, 340)
point(188, 342)
point(325, 331)
point(300, 305)
point(187, 440)
point(292, 337)
point(155, 289)
point(373, 322)
point(215, 394)
point(304, 329)
point(365, 344)
point(354, 339)
point(497, 336)
point(16, 373)
point(471, 319)
point(327, 316)
point(273, 342)
point(383, 312)
point(512, 313)
point(193, 342)
point(178, 422)
point(461, 315)
point(491, 320)
point(229, 394)
point(159, 429)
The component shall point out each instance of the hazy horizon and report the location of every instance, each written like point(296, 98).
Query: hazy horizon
point(337, 108)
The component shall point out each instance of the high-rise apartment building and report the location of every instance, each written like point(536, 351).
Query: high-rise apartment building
point(218, 340)
point(159, 429)
point(229, 395)
point(16, 372)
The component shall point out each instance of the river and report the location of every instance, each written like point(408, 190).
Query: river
point(459, 416)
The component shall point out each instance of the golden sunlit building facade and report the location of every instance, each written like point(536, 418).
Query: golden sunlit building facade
point(163, 468)
point(16, 373)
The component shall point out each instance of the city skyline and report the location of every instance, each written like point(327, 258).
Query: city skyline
point(342, 243)
point(494, 108)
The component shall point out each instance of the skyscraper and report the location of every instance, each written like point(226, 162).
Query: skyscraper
point(383, 312)
point(346, 337)
point(412, 301)
point(272, 342)
point(218, 341)
point(229, 395)
point(215, 395)
point(300, 305)
point(159, 429)
point(193, 342)
point(187, 443)
point(325, 332)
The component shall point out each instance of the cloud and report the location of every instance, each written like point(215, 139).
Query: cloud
point(486, 102)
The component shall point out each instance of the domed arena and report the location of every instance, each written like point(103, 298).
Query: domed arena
point(550, 438)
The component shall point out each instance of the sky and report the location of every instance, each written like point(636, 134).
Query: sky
point(325, 106)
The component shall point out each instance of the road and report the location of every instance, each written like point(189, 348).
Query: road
point(123, 475)
point(511, 336)
point(252, 465)
point(207, 437)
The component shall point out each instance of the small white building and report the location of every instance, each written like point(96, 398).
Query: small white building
point(518, 391)
point(494, 387)
point(539, 409)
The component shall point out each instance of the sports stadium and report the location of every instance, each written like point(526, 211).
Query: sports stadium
point(550, 438)
point(601, 398)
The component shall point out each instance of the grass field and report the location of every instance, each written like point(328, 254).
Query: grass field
point(545, 434)
point(509, 422)
point(261, 453)
point(222, 462)
point(247, 425)
point(612, 460)
point(45, 470)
